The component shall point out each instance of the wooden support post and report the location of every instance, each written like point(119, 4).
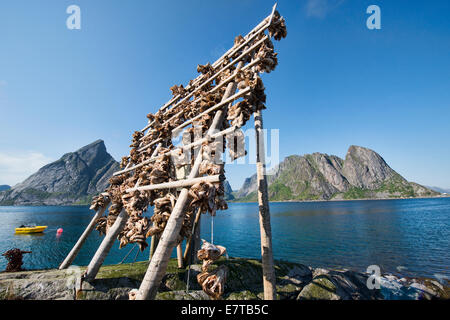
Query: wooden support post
point(153, 245)
point(188, 251)
point(158, 265)
point(77, 247)
point(105, 246)
point(196, 242)
point(264, 212)
point(180, 256)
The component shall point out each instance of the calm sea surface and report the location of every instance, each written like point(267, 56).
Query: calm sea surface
point(410, 237)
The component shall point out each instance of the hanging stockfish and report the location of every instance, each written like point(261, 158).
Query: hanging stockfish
point(212, 282)
point(277, 28)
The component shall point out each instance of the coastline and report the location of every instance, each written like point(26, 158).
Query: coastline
point(237, 201)
point(343, 200)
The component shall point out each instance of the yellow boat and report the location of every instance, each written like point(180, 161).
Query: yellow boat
point(36, 229)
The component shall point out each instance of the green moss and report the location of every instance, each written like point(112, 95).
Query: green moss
point(321, 288)
point(134, 271)
point(242, 295)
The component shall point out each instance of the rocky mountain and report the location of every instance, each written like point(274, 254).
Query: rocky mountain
point(73, 179)
point(317, 176)
point(4, 187)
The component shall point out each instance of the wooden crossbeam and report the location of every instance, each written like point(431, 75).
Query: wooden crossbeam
point(179, 183)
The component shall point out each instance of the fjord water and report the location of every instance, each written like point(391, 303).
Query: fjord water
point(409, 237)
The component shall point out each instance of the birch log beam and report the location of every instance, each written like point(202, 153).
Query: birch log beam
point(158, 264)
point(180, 256)
point(192, 238)
point(153, 245)
point(179, 183)
point(77, 247)
point(264, 212)
point(105, 246)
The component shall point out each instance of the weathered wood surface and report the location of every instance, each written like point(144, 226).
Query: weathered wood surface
point(105, 246)
point(264, 212)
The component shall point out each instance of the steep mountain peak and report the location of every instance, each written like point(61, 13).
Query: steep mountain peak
point(363, 174)
point(74, 178)
point(364, 168)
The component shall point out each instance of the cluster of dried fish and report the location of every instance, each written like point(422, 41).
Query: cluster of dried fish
point(208, 197)
point(277, 28)
point(155, 142)
point(161, 212)
point(212, 282)
point(99, 201)
point(14, 257)
point(135, 232)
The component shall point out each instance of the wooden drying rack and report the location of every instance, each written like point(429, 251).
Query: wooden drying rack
point(160, 255)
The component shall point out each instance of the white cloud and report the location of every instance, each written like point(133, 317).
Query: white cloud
point(15, 168)
point(320, 8)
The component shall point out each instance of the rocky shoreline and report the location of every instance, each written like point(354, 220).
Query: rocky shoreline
point(294, 282)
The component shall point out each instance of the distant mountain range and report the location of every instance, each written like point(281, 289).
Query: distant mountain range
point(79, 175)
point(440, 190)
point(362, 175)
point(72, 180)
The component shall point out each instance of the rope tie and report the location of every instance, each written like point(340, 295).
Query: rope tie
point(212, 229)
point(127, 254)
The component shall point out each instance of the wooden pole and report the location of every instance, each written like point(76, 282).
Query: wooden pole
point(77, 247)
point(105, 246)
point(158, 265)
point(153, 245)
point(264, 212)
point(195, 230)
point(196, 243)
point(179, 183)
point(180, 256)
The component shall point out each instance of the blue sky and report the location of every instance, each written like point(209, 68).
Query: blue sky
point(337, 83)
